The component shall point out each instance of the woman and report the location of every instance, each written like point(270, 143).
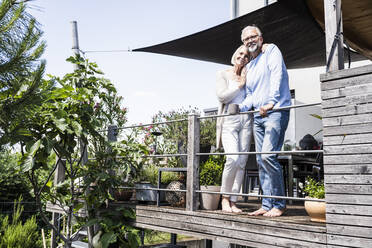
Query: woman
point(234, 131)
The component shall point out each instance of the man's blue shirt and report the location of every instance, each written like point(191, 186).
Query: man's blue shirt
point(267, 81)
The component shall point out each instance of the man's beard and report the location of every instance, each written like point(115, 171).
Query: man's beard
point(256, 46)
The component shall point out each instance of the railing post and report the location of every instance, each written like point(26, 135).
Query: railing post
point(59, 176)
point(193, 143)
point(112, 133)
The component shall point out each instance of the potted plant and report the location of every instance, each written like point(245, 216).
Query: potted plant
point(147, 178)
point(316, 210)
point(210, 180)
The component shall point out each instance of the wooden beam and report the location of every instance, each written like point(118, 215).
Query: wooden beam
point(333, 32)
point(193, 143)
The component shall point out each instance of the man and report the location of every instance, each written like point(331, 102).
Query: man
point(267, 89)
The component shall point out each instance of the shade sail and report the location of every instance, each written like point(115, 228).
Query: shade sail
point(287, 23)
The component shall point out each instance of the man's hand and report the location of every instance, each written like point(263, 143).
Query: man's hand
point(264, 109)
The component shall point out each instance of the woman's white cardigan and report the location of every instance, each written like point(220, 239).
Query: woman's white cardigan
point(225, 93)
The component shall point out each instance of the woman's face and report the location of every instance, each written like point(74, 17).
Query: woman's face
point(242, 56)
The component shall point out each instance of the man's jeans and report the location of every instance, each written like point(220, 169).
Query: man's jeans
point(236, 137)
point(269, 136)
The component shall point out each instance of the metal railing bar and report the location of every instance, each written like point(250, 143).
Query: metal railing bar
point(235, 194)
point(156, 189)
point(166, 155)
point(153, 124)
point(263, 196)
point(227, 153)
point(256, 111)
point(272, 152)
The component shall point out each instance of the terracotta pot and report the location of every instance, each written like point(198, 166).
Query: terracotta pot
point(123, 194)
point(316, 210)
point(210, 201)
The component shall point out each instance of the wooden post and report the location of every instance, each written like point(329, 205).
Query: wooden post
point(59, 176)
point(193, 143)
point(112, 134)
point(334, 37)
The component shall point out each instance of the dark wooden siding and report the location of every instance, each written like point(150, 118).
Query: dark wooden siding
point(347, 127)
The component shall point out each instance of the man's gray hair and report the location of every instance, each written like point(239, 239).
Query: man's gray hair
point(251, 27)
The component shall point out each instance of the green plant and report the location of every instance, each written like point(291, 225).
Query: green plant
point(314, 189)
point(21, 70)
point(148, 173)
point(168, 176)
point(77, 107)
point(211, 171)
point(174, 135)
point(115, 228)
point(14, 233)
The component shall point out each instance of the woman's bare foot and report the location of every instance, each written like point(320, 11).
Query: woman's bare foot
point(234, 208)
point(258, 212)
point(275, 212)
point(226, 204)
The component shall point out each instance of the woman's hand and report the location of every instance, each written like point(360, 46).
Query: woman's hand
point(240, 79)
point(264, 47)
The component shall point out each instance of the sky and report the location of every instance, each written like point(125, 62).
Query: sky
point(148, 82)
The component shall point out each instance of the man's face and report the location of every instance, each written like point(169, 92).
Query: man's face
point(252, 40)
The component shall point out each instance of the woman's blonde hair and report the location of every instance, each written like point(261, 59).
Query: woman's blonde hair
point(236, 53)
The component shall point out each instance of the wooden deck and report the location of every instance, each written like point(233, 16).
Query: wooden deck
point(292, 230)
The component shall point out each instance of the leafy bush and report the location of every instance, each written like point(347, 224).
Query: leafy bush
point(314, 189)
point(174, 135)
point(15, 234)
point(211, 171)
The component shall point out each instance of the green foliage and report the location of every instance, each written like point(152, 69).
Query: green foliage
point(12, 183)
point(21, 84)
point(149, 173)
point(211, 171)
point(168, 176)
point(16, 234)
point(115, 228)
point(174, 135)
point(79, 105)
point(314, 189)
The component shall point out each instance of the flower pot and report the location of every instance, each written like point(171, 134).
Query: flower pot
point(316, 210)
point(210, 201)
point(123, 194)
point(147, 195)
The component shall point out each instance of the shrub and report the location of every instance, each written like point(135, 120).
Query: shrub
point(211, 171)
point(15, 234)
point(314, 189)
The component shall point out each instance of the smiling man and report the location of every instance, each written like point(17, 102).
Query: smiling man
point(267, 88)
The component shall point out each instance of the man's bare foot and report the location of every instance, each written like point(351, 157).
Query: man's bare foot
point(235, 209)
point(275, 212)
point(226, 204)
point(258, 212)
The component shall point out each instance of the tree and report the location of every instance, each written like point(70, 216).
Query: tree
point(21, 84)
point(70, 114)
